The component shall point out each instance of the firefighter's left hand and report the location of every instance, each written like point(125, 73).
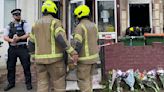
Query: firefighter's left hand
point(74, 57)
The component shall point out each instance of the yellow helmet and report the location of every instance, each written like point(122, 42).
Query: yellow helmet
point(50, 6)
point(131, 29)
point(82, 11)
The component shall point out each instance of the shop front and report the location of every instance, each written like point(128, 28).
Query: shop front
point(103, 13)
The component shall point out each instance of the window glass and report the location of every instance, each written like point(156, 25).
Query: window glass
point(89, 3)
point(58, 6)
point(9, 5)
point(106, 16)
point(74, 20)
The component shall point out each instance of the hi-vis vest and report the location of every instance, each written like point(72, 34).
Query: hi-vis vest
point(87, 34)
point(47, 49)
point(17, 29)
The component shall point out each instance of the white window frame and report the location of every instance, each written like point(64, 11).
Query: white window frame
point(113, 35)
point(141, 2)
point(69, 17)
point(10, 16)
point(2, 15)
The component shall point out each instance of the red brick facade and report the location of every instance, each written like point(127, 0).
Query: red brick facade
point(122, 57)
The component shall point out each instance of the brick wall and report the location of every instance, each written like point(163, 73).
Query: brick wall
point(122, 57)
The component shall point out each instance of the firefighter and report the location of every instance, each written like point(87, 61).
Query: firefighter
point(47, 43)
point(16, 35)
point(133, 31)
point(85, 38)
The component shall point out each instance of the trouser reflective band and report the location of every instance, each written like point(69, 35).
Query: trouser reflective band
point(89, 57)
point(47, 56)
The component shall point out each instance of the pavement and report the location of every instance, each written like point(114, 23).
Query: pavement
point(20, 83)
point(21, 87)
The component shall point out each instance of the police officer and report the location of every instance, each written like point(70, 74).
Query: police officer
point(47, 42)
point(16, 35)
point(85, 37)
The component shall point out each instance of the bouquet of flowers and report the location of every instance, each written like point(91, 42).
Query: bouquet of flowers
point(115, 79)
point(146, 81)
point(129, 79)
point(112, 77)
point(118, 80)
point(160, 73)
point(150, 81)
point(139, 78)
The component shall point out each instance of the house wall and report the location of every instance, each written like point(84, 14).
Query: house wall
point(29, 13)
point(157, 16)
point(3, 50)
point(123, 16)
point(29, 10)
point(2, 15)
point(161, 16)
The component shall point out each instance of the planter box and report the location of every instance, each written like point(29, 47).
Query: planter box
point(150, 38)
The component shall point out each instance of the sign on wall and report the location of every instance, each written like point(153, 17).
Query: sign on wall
point(139, 1)
point(107, 35)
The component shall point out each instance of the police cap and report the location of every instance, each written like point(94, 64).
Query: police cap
point(16, 11)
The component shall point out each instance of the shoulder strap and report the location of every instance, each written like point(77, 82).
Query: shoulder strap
point(11, 24)
point(22, 23)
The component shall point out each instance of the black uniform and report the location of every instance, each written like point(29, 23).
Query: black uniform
point(18, 51)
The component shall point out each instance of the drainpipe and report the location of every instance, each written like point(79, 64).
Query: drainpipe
point(118, 17)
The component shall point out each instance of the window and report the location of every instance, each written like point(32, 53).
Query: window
point(144, 6)
point(106, 19)
point(72, 20)
point(9, 5)
point(89, 3)
point(106, 16)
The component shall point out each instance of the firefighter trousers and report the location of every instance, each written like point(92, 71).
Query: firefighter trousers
point(84, 74)
point(54, 74)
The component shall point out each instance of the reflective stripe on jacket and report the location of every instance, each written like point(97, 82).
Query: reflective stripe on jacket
point(47, 49)
point(86, 33)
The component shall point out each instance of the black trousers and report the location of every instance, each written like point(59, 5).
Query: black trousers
point(20, 52)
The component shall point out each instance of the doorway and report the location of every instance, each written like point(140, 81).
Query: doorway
point(139, 15)
point(90, 3)
point(72, 21)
